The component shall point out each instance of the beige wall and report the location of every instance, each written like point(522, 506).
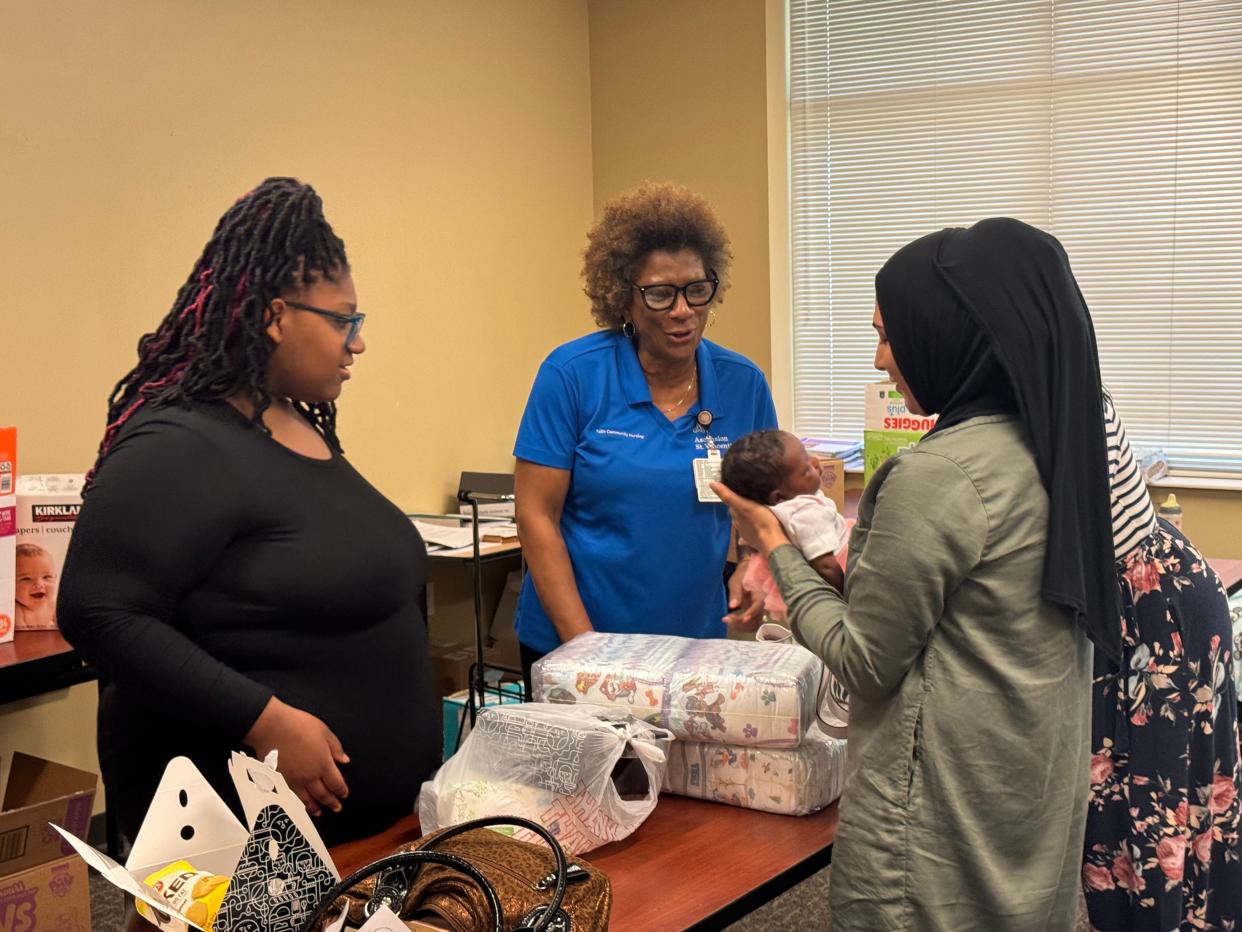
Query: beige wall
point(1211, 518)
point(450, 142)
point(461, 149)
point(678, 93)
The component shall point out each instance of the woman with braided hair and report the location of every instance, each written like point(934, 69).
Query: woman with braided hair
point(236, 583)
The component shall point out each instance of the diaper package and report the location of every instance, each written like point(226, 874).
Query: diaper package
point(47, 508)
point(718, 690)
point(589, 776)
point(833, 702)
point(789, 781)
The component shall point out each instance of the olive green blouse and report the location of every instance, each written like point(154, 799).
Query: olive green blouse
point(970, 696)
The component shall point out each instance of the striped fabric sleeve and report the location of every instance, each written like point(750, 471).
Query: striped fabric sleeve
point(1133, 516)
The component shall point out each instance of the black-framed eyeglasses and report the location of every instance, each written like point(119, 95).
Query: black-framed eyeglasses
point(663, 297)
point(348, 324)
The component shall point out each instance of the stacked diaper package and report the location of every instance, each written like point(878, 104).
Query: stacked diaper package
point(743, 713)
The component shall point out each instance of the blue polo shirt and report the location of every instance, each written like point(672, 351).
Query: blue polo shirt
point(647, 555)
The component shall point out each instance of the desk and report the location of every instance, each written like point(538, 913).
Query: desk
point(487, 552)
point(36, 662)
point(691, 865)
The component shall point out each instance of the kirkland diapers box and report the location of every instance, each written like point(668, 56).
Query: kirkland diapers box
point(47, 507)
point(43, 884)
point(8, 530)
point(888, 426)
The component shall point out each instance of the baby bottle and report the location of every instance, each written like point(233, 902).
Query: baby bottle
point(1171, 511)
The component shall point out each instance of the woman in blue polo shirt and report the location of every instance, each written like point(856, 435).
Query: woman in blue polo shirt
point(614, 533)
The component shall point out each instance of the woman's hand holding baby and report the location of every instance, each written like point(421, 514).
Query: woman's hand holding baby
point(755, 523)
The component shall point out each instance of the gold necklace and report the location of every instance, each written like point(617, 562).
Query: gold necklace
point(682, 400)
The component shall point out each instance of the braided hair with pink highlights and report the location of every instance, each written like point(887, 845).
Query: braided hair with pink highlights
point(213, 344)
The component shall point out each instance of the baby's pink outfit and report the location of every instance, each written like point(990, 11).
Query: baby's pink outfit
point(814, 526)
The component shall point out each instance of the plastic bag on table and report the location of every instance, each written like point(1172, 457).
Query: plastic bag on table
point(590, 776)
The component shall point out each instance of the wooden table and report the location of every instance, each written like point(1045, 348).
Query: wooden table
point(691, 865)
point(36, 662)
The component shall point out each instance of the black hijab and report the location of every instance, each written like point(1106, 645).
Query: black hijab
point(990, 319)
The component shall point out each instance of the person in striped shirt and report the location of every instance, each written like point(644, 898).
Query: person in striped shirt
point(1162, 841)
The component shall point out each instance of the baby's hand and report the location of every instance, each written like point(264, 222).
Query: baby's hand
point(746, 607)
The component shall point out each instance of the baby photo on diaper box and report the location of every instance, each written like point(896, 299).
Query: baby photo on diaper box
point(47, 507)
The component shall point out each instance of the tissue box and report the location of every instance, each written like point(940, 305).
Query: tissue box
point(789, 781)
point(888, 425)
point(280, 868)
point(47, 507)
point(717, 690)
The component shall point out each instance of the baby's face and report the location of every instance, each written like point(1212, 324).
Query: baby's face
point(801, 471)
point(35, 581)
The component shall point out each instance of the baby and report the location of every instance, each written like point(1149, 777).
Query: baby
point(36, 588)
point(772, 467)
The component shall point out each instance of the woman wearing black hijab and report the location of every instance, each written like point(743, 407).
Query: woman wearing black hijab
point(980, 562)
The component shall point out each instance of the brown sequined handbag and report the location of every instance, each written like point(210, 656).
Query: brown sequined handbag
point(469, 877)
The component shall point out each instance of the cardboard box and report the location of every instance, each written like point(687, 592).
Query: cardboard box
point(450, 664)
point(43, 884)
point(8, 530)
point(52, 897)
point(832, 480)
point(280, 867)
point(40, 792)
point(457, 719)
point(47, 508)
point(502, 649)
point(888, 426)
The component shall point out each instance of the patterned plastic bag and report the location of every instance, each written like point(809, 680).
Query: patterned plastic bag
point(589, 776)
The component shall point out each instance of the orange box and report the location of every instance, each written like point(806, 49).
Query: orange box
point(8, 532)
point(48, 898)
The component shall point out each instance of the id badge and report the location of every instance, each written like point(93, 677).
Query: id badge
point(707, 469)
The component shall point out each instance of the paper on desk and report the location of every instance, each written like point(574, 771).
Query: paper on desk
point(452, 537)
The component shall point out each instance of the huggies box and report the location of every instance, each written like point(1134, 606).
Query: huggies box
point(47, 507)
point(888, 426)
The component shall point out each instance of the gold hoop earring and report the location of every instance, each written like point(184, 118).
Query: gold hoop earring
point(627, 328)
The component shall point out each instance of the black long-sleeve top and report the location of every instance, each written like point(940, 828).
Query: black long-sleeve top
point(211, 568)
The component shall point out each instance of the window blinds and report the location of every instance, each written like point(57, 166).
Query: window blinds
point(1116, 126)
